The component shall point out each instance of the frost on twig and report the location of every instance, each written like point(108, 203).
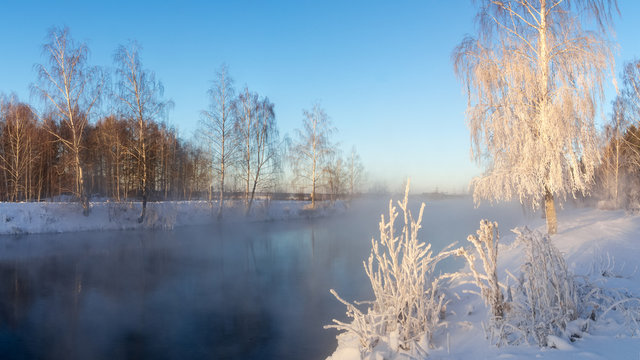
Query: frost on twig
point(485, 243)
point(546, 299)
point(409, 299)
point(548, 303)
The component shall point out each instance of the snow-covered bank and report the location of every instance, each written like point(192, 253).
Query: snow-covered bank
point(600, 245)
point(56, 217)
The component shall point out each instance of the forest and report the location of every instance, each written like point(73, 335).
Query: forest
point(618, 177)
point(98, 133)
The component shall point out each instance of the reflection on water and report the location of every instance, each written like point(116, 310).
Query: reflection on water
point(250, 291)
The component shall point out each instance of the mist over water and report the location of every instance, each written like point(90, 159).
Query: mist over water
point(231, 291)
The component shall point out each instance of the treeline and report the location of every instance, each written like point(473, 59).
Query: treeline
point(618, 178)
point(105, 134)
point(35, 164)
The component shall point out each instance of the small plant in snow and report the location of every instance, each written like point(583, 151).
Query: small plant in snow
point(409, 300)
point(486, 246)
point(545, 299)
point(548, 303)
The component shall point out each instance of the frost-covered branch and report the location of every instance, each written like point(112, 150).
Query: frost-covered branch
point(486, 246)
point(409, 298)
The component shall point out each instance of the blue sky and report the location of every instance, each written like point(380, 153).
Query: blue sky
point(381, 70)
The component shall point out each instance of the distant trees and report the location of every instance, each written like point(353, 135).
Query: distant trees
point(312, 147)
point(128, 151)
point(139, 100)
point(112, 139)
point(609, 173)
point(21, 148)
point(617, 175)
point(534, 76)
point(355, 171)
point(71, 88)
point(336, 175)
point(124, 153)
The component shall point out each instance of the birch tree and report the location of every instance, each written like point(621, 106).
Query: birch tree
point(623, 149)
point(355, 171)
point(217, 130)
point(611, 166)
point(630, 103)
point(533, 76)
point(18, 149)
point(71, 88)
point(139, 97)
point(258, 138)
point(336, 175)
point(312, 148)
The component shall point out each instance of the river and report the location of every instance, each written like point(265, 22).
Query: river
point(231, 291)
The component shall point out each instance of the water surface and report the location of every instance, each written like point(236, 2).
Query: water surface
point(232, 291)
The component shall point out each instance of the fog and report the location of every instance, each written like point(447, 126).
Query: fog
point(256, 290)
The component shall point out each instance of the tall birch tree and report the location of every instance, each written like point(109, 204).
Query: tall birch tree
point(355, 171)
point(533, 76)
point(217, 129)
point(139, 97)
point(312, 148)
point(71, 88)
point(258, 140)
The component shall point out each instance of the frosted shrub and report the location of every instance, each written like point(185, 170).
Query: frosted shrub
point(409, 300)
point(485, 243)
point(545, 299)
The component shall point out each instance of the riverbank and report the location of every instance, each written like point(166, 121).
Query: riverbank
point(60, 217)
point(601, 246)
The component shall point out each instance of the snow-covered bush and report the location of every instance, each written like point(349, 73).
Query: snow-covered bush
point(409, 298)
point(485, 243)
point(545, 299)
point(548, 304)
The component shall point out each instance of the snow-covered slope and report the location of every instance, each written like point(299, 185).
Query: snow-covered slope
point(602, 245)
point(54, 217)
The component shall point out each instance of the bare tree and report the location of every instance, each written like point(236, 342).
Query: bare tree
point(217, 129)
point(258, 137)
point(610, 169)
point(312, 148)
point(18, 148)
point(336, 175)
point(139, 95)
point(112, 137)
point(622, 151)
point(534, 76)
point(355, 171)
point(71, 88)
point(631, 111)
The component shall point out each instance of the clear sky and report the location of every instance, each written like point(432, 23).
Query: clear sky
point(381, 69)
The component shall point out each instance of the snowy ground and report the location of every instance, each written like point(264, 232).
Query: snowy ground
point(594, 243)
point(55, 217)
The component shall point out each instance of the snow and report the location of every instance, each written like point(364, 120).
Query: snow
point(602, 245)
point(58, 217)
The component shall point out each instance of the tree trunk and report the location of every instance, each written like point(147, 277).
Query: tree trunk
point(84, 197)
point(550, 213)
point(221, 201)
point(313, 192)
